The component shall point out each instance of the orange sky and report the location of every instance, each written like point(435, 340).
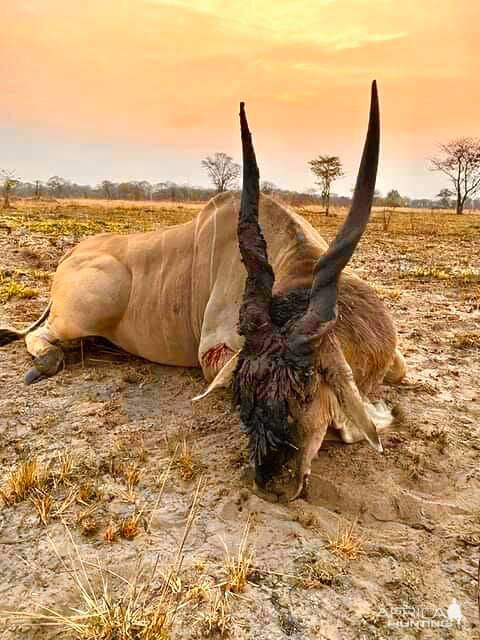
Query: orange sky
point(144, 89)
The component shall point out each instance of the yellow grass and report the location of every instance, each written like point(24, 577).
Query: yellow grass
point(43, 504)
point(111, 533)
point(345, 542)
point(186, 462)
point(23, 481)
point(467, 340)
point(79, 218)
point(238, 568)
point(129, 528)
point(216, 620)
point(10, 288)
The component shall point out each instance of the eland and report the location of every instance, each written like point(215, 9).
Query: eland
point(250, 292)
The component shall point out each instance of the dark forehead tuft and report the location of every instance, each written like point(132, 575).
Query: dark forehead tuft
point(289, 306)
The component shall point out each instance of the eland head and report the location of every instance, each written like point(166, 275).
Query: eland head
point(291, 367)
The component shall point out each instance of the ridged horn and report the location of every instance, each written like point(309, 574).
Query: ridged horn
point(321, 311)
point(255, 310)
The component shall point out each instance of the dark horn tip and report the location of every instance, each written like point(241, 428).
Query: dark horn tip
point(243, 117)
point(374, 92)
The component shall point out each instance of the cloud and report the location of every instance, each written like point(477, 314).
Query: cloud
point(171, 73)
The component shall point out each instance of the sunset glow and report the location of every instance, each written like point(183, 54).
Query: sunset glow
point(126, 89)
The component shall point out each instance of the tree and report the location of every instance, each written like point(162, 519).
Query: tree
point(444, 196)
point(460, 161)
point(10, 181)
point(327, 169)
point(268, 187)
point(56, 184)
point(108, 189)
point(393, 199)
point(223, 171)
point(143, 190)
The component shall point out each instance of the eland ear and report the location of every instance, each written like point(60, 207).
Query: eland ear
point(222, 379)
point(341, 381)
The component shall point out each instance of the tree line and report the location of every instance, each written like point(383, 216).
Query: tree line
point(458, 160)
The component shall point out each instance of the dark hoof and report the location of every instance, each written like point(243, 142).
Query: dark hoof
point(248, 478)
point(33, 375)
point(45, 366)
point(261, 492)
point(300, 489)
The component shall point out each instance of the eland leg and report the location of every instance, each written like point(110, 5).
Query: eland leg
point(397, 370)
point(48, 357)
point(90, 293)
point(314, 419)
point(312, 441)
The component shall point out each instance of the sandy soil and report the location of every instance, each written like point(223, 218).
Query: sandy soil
point(415, 510)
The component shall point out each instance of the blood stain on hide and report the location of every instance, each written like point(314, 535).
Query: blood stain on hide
point(216, 356)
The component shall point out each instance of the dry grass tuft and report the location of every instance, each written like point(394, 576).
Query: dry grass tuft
point(201, 591)
point(238, 568)
point(128, 451)
point(66, 502)
point(32, 477)
point(319, 573)
point(186, 463)
point(88, 525)
point(346, 543)
point(111, 533)
point(132, 476)
point(43, 503)
point(216, 620)
point(28, 477)
point(129, 527)
point(66, 466)
point(89, 492)
point(466, 340)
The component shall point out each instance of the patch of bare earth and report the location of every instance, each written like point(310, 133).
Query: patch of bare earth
point(101, 464)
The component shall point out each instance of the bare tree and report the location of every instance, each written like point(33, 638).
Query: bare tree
point(327, 169)
point(460, 161)
point(57, 185)
point(444, 196)
point(10, 180)
point(268, 187)
point(108, 189)
point(223, 171)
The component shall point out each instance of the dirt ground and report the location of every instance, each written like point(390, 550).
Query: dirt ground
point(124, 451)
